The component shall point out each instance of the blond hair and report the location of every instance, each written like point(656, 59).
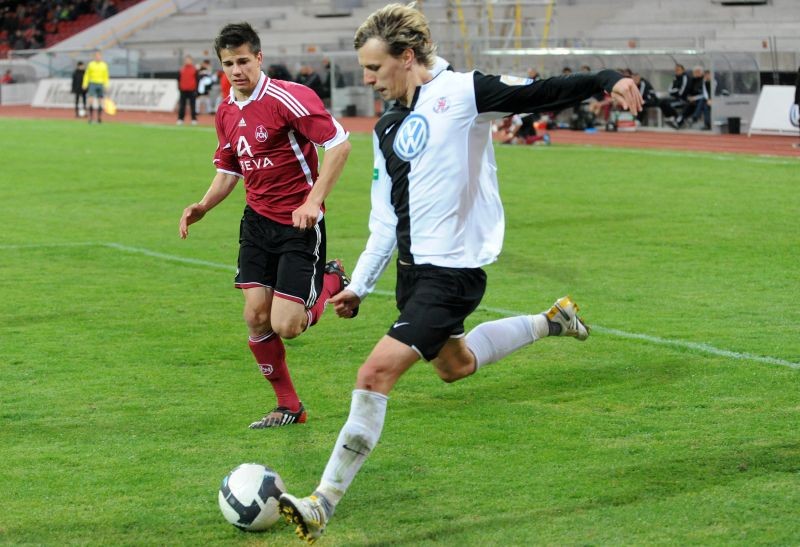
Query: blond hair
point(401, 27)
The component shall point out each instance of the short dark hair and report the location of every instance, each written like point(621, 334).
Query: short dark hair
point(235, 35)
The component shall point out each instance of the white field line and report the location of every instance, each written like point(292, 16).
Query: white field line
point(669, 153)
point(656, 340)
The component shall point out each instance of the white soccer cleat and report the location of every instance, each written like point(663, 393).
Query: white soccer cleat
point(309, 515)
point(565, 313)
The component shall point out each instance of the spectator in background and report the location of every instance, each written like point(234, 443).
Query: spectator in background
point(279, 72)
point(332, 77)
point(187, 85)
point(7, 78)
point(224, 88)
point(95, 81)
point(309, 78)
point(108, 9)
point(649, 96)
point(677, 96)
point(703, 108)
point(797, 103)
point(20, 42)
point(504, 130)
point(205, 82)
point(533, 74)
point(695, 100)
point(77, 89)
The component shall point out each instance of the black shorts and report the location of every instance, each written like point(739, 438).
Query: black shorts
point(284, 258)
point(96, 90)
point(433, 303)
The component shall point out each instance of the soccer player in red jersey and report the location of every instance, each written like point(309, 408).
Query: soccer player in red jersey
point(268, 132)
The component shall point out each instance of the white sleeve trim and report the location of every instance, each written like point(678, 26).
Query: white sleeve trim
point(234, 173)
point(340, 136)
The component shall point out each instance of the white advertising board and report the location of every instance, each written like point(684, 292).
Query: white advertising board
point(776, 113)
point(128, 93)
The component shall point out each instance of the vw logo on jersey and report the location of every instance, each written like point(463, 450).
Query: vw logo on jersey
point(794, 115)
point(411, 138)
point(261, 133)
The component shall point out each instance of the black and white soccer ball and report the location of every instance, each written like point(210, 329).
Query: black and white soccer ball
point(248, 497)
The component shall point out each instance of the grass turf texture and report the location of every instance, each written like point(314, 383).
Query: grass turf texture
point(127, 385)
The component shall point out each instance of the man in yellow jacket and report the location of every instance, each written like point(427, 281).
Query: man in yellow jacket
point(95, 81)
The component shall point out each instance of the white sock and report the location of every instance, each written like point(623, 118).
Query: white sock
point(356, 440)
point(493, 340)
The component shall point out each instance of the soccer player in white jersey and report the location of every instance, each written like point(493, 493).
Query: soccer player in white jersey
point(268, 131)
point(435, 200)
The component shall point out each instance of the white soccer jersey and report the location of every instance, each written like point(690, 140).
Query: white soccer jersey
point(434, 188)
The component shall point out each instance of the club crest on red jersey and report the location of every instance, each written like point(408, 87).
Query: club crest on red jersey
point(261, 133)
point(442, 105)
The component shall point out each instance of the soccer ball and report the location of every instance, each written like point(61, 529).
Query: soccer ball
point(248, 497)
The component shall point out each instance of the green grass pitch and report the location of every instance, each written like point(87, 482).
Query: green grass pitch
point(126, 384)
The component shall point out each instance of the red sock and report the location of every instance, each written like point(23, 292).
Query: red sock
point(271, 358)
point(331, 286)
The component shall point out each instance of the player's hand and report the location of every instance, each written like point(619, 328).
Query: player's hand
point(305, 216)
point(344, 303)
point(626, 94)
point(191, 214)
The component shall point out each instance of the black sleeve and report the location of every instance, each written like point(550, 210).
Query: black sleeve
point(797, 89)
point(494, 95)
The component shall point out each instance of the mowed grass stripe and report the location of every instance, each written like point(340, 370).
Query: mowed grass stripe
point(692, 346)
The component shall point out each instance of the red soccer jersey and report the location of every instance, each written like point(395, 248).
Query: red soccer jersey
point(270, 140)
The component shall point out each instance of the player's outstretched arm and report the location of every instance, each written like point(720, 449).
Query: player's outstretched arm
point(222, 185)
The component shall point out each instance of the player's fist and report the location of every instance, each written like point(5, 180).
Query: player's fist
point(345, 303)
point(305, 216)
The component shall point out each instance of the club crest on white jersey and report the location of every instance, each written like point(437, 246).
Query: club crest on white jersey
point(411, 137)
point(515, 80)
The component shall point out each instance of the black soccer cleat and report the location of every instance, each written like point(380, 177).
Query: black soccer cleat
point(281, 416)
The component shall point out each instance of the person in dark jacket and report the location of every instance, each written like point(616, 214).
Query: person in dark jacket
point(78, 90)
point(309, 78)
point(677, 99)
point(797, 104)
point(649, 96)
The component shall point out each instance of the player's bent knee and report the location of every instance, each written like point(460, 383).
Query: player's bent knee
point(288, 331)
point(376, 378)
point(257, 320)
point(450, 375)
